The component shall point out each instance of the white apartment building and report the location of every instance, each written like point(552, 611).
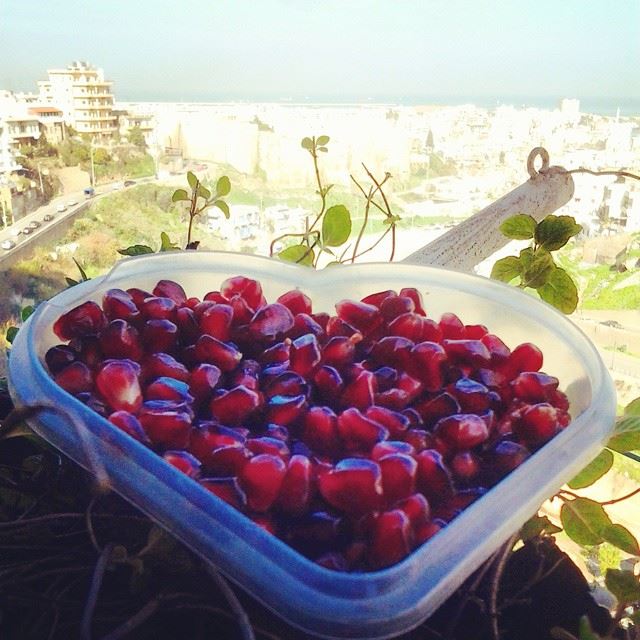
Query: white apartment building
point(84, 97)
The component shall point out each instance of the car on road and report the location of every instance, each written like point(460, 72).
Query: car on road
point(72, 203)
point(60, 208)
point(27, 231)
point(48, 217)
point(612, 323)
point(34, 224)
point(129, 183)
point(8, 244)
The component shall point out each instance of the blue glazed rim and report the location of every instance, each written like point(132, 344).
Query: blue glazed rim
point(319, 601)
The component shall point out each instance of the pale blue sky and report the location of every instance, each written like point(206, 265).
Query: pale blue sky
point(388, 49)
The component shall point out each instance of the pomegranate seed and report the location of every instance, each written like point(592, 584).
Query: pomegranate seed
point(359, 433)
point(285, 410)
point(338, 327)
point(271, 322)
point(388, 447)
point(364, 317)
point(202, 381)
point(216, 321)
point(417, 508)
point(296, 302)
point(475, 331)
point(361, 392)
point(534, 387)
point(171, 290)
point(184, 462)
point(128, 423)
point(58, 357)
point(250, 290)
point(391, 539)
point(444, 404)
point(138, 296)
point(376, 299)
point(305, 354)
point(75, 378)
point(277, 431)
point(525, 357)
point(415, 327)
point(462, 430)
point(394, 422)
point(427, 531)
point(329, 384)
point(426, 362)
point(84, 320)
point(272, 446)
point(467, 352)
point(340, 351)
point(160, 335)
point(537, 424)
point(506, 456)
point(121, 340)
point(472, 396)
point(188, 326)
point(303, 324)
point(395, 306)
point(88, 350)
point(118, 384)
point(353, 486)
point(287, 384)
point(242, 312)
point(452, 327)
point(297, 487)
point(226, 489)
point(192, 303)
point(433, 478)
point(386, 378)
point(246, 374)
point(215, 296)
point(320, 430)
point(234, 407)
point(416, 298)
point(166, 428)
point(168, 389)
point(225, 356)
point(118, 304)
point(208, 436)
point(498, 349)
point(261, 479)
point(392, 350)
point(398, 476)
point(465, 466)
point(157, 365)
point(155, 308)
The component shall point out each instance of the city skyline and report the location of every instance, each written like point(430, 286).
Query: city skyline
point(490, 52)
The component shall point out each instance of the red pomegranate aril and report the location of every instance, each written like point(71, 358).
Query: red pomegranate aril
point(235, 406)
point(138, 296)
point(250, 290)
point(322, 318)
point(472, 396)
point(278, 432)
point(226, 489)
point(328, 383)
point(412, 387)
point(119, 339)
point(192, 302)
point(394, 422)
point(431, 410)
point(202, 307)
point(361, 392)
point(426, 363)
point(394, 399)
point(117, 382)
point(75, 378)
point(465, 466)
point(287, 384)
point(462, 431)
point(358, 433)
point(216, 321)
point(202, 381)
point(467, 352)
point(188, 326)
point(155, 308)
point(388, 447)
point(320, 430)
point(272, 446)
point(506, 456)
point(340, 351)
point(338, 327)
point(228, 460)
point(277, 354)
point(157, 365)
point(84, 320)
point(128, 423)
point(247, 374)
point(208, 436)
point(296, 491)
point(417, 508)
point(498, 349)
point(386, 378)
point(525, 357)
point(559, 400)
point(475, 331)
point(270, 323)
point(88, 350)
point(537, 424)
point(212, 351)
point(118, 304)
point(318, 529)
point(261, 479)
point(160, 336)
point(391, 539)
point(296, 302)
point(60, 356)
point(376, 299)
point(184, 462)
point(364, 317)
point(532, 386)
point(433, 478)
point(452, 327)
point(305, 354)
point(415, 327)
point(303, 324)
point(354, 486)
point(242, 312)
point(427, 531)
point(398, 476)
point(170, 289)
point(395, 306)
point(166, 428)
point(285, 410)
point(215, 296)
point(168, 389)
point(415, 296)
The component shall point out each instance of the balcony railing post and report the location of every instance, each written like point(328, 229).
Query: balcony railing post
point(477, 237)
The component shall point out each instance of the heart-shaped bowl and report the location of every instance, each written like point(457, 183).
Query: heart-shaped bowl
point(323, 602)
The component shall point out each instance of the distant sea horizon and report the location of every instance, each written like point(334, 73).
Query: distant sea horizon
point(605, 106)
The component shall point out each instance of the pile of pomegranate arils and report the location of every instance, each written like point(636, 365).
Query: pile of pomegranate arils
point(354, 438)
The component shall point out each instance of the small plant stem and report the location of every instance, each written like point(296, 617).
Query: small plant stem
point(365, 220)
point(629, 495)
point(500, 564)
point(304, 234)
point(619, 174)
point(192, 212)
point(246, 631)
point(321, 191)
point(375, 244)
point(92, 598)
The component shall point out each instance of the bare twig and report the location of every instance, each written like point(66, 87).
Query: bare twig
point(89, 523)
point(500, 563)
point(629, 495)
point(240, 614)
point(92, 597)
point(619, 174)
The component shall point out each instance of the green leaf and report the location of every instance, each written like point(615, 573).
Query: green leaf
point(307, 143)
point(298, 253)
point(519, 227)
point(585, 631)
point(336, 226)
point(584, 521)
point(621, 537)
point(192, 179)
point(203, 192)
point(166, 244)
point(506, 269)
point(333, 263)
point(12, 332)
point(624, 585)
point(537, 271)
point(180, 194)
point(83, 274)
point(26, 312)
point(71, 282)
point(323, 149)
point(593, 471)
point(626, 435)
point(555, 231)
point(223, 186)
point(560, 291)
point(223, 206)
point(135, 250)
point(633, 408)
point(536, 525)
point(322, 140)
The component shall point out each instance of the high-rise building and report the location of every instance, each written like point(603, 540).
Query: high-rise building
point(84, 97)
